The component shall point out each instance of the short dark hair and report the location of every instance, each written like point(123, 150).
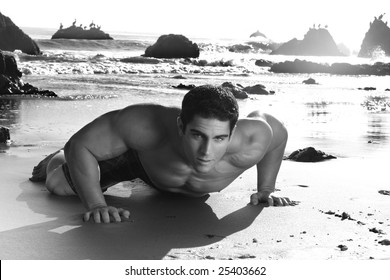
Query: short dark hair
point(209, 101)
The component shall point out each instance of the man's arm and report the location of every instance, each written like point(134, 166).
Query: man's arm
point(269, 165)
point(106, 137)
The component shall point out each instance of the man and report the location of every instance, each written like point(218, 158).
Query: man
point(199, 149)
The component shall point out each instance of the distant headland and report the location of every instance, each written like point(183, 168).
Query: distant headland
point(81, 32)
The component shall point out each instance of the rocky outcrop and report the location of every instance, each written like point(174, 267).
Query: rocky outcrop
point(236, 90)
point(258, 34)
point(173, 46)
point(13, 38)
point(376, 39)
point(78, 32)
point(241, 92)
point(4, 134)
point(309, 154)
point(11, 82)
point(303, 66)
point(316, 42)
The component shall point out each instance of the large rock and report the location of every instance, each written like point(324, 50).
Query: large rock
point(173, 46)
point(316, 42)
point(78, 32)
point(11, 82)
point(377, 38)
point(13, 38)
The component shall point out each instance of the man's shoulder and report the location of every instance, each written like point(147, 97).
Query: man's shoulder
point(147, 124)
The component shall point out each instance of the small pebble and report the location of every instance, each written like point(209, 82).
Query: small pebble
point(343, 247)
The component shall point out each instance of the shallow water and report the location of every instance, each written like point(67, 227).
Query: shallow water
point(328, 116)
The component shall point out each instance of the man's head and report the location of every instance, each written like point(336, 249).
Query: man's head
point(209, 115)
point(210, 102)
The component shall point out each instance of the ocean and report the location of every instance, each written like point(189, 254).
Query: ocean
point(93, 77)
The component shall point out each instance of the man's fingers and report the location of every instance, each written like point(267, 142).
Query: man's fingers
point(87, 216)
point(115, 215)
point(254, 199)
point(105, 216)
point(271, 201)
point(96, 216)
point(124, 213)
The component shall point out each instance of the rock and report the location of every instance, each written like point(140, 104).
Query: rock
point(236, 90)
point(309, 154)
point(342, 247)
point(367, 88)
point(173, 46)
point(256, 89)
point(10, 79)
point(310, 81)
point(302, 66)
point(263, 63)
point(182, 86)
point(13, 38)
point(240, 48)
point(384, 192)
point(384, 242)
point(4, 134)
point(316, 42)
point(376, 39)
point(78, 32)
point(258, 34)
point(375, 230)
point(299, 66)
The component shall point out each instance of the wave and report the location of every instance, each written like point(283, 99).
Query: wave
point(91, 45)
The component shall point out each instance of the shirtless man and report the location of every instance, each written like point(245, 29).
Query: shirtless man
point(198, 149)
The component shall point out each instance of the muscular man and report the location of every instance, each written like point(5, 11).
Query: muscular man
point(198, 149)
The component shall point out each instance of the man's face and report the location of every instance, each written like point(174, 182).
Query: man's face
point(205, 142)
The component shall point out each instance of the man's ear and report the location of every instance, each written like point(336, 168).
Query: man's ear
point(180, 126)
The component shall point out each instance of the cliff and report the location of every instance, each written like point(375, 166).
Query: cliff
point(13, 38)
point(376, 39)
point(316, 42)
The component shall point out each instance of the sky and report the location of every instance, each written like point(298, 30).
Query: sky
point(279, 20)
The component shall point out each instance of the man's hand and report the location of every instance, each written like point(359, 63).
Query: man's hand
point(106, 214)
point(266, 199)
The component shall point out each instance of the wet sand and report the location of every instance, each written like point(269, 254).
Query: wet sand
point(343, 215)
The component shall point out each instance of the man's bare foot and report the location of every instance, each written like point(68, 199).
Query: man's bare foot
point(39, 171)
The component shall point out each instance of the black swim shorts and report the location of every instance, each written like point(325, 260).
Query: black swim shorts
point(125, 167)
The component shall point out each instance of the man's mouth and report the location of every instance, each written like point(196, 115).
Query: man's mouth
point(203, 161)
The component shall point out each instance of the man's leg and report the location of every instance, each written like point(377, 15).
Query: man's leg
point(56, 181)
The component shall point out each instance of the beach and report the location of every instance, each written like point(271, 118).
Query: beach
point(343, 212)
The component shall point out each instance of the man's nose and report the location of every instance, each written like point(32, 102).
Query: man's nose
point(205, 148)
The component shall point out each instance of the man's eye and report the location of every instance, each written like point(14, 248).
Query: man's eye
point(220, 139)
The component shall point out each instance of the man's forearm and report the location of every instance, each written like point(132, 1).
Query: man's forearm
point(84, 172)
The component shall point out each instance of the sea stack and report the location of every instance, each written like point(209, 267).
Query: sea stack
point(316, 42)
point(81, 32)
point(13, 38)
point(376, 39)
